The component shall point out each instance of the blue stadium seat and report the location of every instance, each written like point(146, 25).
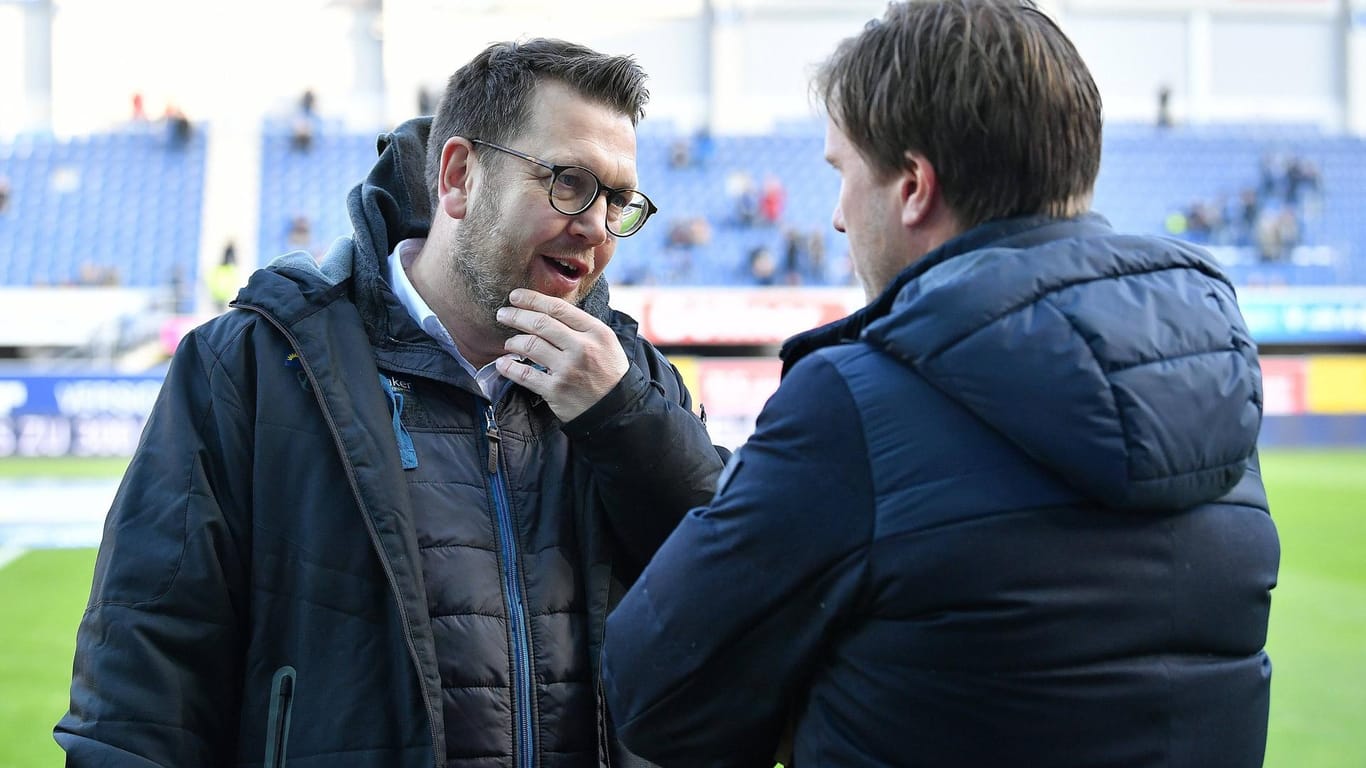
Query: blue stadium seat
point(149, 221)
point(51, 230)
point(313, 184)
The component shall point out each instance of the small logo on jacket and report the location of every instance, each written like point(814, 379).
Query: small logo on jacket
point(292, 361)
point(414, 412)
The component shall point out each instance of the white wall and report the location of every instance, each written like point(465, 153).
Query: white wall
point(743, 69)
point(1131, 56)
point(214, 59)
point(1356, 66)
point(427, 40)
point(25, 69)
point(767, 54)
point(1225, 60)
point(15, 117)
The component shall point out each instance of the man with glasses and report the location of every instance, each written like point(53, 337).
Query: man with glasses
point(382, 509)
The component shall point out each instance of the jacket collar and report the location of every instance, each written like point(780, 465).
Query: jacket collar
point(1022, 231)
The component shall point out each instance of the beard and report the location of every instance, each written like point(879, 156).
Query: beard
point(483, 261)
point(479, 262)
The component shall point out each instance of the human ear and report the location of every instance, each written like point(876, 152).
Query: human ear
point(918, 188)
point(453, 184)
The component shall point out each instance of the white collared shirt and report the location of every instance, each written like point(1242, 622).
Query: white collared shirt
point(488, 378)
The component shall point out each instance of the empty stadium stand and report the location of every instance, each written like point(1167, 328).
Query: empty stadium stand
point(124, 207)
point(119, 208)
point(1146, 174)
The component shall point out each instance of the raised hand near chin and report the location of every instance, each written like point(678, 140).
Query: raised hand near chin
point(578, 358)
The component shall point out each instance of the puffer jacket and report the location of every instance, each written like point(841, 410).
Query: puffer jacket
point(321, 492)
point(1008, 514)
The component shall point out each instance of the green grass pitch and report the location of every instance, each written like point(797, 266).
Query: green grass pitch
point(1317, 641)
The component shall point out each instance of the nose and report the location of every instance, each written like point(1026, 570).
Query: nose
point(837, 219)
point(590, 224)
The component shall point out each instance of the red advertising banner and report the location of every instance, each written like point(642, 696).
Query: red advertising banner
point(733, 316)
point(1283, 385)
point(731, 387)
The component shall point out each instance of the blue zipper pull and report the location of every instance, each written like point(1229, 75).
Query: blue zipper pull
point(407, 454)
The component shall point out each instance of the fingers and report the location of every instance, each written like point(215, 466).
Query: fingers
point(518, 371)
point(534, 346)
point(550, 325)
point(568, 314)
point(562, 353)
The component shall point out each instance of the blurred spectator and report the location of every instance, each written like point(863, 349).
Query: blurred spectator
point(1288, 231)
point(1250, 206)
point(680, 154)
point(691, 151)
point(300, 235)
point(678, 235)
point(689, 232)
point(1175, 224)
point(90, 273)
point(1302, 182)
point(796, 256)
point(816, 253)
point(1203, 222)
point(303, 126)
point(178, 125)
point(1278, 234)
point(226, 278)
point(139, 108)
point(4, 193)
point(1164, 106)
point(744, 198)
point(1272, 182)
point(1269, 217)
point(301, 134)
point(773, 200)
point(762, 268)
point(425, 106)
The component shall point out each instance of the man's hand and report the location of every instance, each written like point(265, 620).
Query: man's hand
point(581, 356)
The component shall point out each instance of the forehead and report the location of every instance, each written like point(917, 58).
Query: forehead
point(568, 129)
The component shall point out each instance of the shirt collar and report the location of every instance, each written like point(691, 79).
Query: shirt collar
point(487, 377)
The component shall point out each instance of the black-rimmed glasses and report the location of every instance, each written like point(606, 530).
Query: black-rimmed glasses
point(573, 189)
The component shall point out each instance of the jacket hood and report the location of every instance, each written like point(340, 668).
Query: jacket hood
point(1122, 363)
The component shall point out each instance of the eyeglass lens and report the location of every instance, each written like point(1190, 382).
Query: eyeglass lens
point(574, 189)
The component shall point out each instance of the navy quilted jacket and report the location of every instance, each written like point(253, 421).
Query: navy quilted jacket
point(1008, 514)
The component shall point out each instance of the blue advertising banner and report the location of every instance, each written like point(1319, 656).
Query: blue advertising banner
point(1305, 315)
point(74, 415)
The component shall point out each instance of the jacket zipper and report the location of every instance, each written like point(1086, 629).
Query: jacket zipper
point(277, 722)
point(438, 748)
point(512, 587)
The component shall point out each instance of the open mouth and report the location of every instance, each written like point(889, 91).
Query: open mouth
point(569, 269)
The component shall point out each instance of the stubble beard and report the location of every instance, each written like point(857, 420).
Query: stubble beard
point(480, 259)
point(479, 263)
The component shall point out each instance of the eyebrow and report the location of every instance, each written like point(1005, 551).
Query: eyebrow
point(635, 184)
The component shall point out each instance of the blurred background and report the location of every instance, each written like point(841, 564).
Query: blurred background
point(154, 152)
